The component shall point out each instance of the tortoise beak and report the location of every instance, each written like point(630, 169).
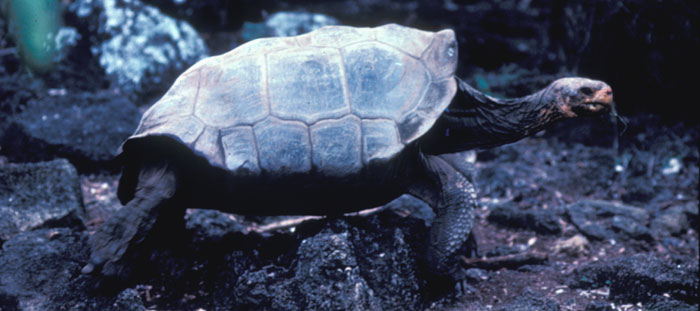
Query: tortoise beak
point(601, 100)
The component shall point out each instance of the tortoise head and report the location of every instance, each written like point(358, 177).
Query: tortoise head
point(442, 54)
point(573, 97)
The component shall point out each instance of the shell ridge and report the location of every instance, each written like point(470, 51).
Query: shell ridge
point(432, 41)
point(196, 95)
point(194, 142)
point(220, 145)
point(255, 146)
point(266, 86)
point(309, 155)
point(323, 119)
point(344, 82)
point(397, 48)
point(421, 98)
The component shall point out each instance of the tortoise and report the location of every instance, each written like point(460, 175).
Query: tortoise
point(337, 120)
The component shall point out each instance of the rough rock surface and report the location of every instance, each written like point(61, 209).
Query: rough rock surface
point(329, 275)
point(141, 49)
point(211, 226)
point(604, 220)
point(675, 220)
point(530, 300)
point(285, 24)
point(350, 270)
point(641, 278)
point(40, 270)
point(39, 195)
point(85, 128)
point(59, 254)
point(544, 222)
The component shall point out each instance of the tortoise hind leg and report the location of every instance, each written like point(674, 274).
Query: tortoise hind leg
point(119, 237)
point(453, 199)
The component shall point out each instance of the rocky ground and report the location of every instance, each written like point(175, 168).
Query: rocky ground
point(587, 215)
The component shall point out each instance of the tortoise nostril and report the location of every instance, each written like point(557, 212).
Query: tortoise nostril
point(586, 91)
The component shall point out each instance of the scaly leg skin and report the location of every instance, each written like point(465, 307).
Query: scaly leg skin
point(453, 198)
point(117, 239)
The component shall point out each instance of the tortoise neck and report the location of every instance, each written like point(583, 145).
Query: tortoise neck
point(475, 120)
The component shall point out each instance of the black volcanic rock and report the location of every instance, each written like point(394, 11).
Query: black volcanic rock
point(85, 128)
point(641, 278)
point(39, 195)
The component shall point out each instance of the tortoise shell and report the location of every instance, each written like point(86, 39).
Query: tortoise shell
point(331, 101)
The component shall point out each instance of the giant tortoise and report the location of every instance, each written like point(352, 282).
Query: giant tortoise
point(334, 121)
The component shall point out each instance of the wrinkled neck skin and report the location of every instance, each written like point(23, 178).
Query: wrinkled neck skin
point(474, 120)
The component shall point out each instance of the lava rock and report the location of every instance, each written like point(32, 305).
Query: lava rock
point(494, 181)
point(631, 228)
point(38, 268)
point(640, 277)
point(85, 128)
point(388, 262)
point(543, 222)
point(211, 226)
point(8, 302)
point(141, 49)
point(39, 195)
point(285, 24)
point(599, 305)
point(475, 275)
point(638, 190)
point(530, 300)
point(504, 250)
point(662, 303)
point(601, 220)
point(128, 299)
point(651, 276)
point(675, 220)
point(326, 277)
point(329, 275)
point(267, 288)
point(353, 263)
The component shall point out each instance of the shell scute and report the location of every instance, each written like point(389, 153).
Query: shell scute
point(240, 152)
point(336, 146)
point(383, 82)
point(232, 94)
point(283, 146)
point(306, 85)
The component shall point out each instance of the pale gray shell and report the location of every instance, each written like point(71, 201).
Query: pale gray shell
point(332, 100)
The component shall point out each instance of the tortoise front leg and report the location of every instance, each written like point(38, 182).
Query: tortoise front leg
point(118, 239)
point(453, 199)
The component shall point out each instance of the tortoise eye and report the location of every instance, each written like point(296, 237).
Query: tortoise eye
point(586, 91)
point(452, 49)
